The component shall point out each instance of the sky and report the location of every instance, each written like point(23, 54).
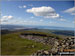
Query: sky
point(39, 13)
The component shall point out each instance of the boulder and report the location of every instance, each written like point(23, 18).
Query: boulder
point(46, 52)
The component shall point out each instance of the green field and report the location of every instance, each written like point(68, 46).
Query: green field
point(13, 44)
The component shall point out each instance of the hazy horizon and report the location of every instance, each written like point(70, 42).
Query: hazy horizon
point(35, 26)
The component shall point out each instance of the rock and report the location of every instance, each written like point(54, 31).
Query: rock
point(46, 52)
point(33, 46)
point(56, 43)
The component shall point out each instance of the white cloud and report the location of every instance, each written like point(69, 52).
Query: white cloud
point(62, 19)
point(20, 6)
point(51, 22)
point(13, 21)
point(32, 17)
point(41, 20)
point(55, 16)
point(24, 6)
point(25, 21)
point(47, 12)
point(70, 10)
point(6, 18)
point(30, 5)
point(73, 22)
point(9, 17)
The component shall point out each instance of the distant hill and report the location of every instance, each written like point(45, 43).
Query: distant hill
point(67, 33)
point(10, 27)
point(13, 27)
point(55, 30)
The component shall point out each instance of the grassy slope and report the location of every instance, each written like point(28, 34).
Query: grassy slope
point(12, 44)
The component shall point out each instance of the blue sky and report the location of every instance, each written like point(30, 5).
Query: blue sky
point(40, 13)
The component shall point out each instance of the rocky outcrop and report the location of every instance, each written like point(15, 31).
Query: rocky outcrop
point(57, 46)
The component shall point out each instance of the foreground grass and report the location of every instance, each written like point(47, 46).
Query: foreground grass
point(12, 44)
